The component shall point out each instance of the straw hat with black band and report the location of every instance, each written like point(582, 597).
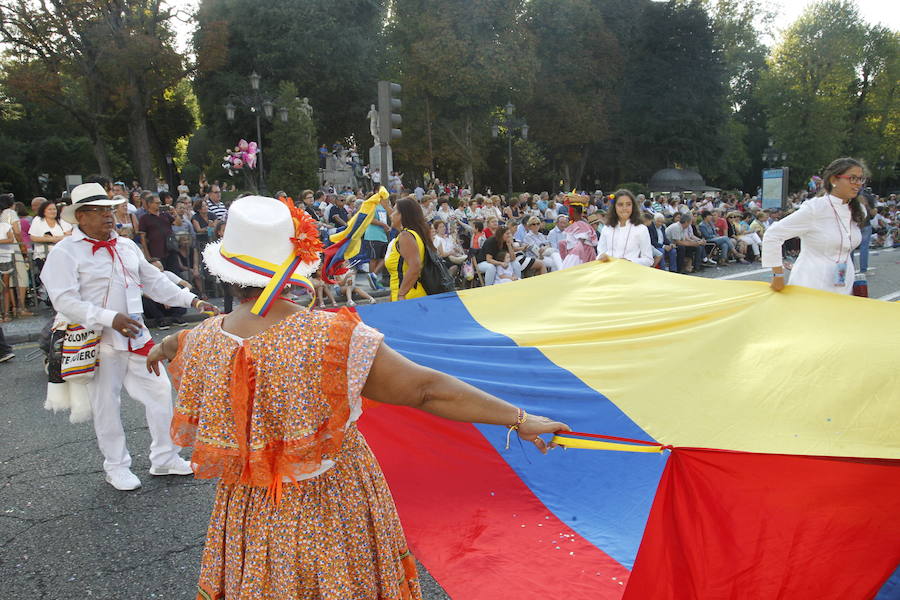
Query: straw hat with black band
point(87, 194)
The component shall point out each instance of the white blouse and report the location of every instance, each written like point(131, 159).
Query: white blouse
point(629, 241)
point(827, 235)
point(40, 228)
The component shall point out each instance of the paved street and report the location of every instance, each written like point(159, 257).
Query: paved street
point(66, 534)
point(883, 275)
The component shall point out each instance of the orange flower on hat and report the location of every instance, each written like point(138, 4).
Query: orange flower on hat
point(307, 244)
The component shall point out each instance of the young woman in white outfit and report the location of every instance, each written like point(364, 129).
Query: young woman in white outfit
point(829, 229)
point(626, 236)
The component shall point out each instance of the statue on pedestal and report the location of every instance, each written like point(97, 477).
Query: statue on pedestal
point(373, 124)
point(305, 107)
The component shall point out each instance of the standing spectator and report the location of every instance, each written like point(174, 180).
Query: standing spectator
point(7, 245)
point(214, 203)
point(46, 230)
point(19, 275)
point(96, 279)
point(156, 227)
point(24, 225)
point(183, 189)
point(203, 226)
point(135, 202)
point(182, 223)
point(126, 222)
point(375, 176)
point(376, 240)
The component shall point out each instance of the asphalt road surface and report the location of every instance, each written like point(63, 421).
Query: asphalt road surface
point(66, 534)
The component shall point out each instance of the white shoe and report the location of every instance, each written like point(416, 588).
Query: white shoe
point(176, 466)
point(123, 480)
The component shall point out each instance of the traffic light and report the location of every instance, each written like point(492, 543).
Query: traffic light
point(389, 118)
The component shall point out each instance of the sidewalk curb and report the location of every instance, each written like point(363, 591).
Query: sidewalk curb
point(14, 339)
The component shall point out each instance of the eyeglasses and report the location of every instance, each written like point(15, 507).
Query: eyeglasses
point(97, 209)
point(853, 179)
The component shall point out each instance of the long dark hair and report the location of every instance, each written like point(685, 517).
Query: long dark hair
point(612, 219)
point(840, 166)
point(413, 218)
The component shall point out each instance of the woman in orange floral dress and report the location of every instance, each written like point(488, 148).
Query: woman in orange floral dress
point(302, 510)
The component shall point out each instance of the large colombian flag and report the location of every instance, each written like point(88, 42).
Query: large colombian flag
point(782, 411)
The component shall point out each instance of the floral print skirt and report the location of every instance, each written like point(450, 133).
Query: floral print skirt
point(333, 537)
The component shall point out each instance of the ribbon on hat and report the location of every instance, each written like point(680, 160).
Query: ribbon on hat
point(306, 250)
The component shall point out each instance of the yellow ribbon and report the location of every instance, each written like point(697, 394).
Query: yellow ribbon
point(569, 442)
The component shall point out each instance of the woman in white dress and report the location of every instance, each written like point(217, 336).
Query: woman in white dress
point(625, 235)
point(829, 229)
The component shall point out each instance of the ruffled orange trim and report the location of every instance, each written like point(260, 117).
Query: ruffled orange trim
point(279, 459)
point(175, 367)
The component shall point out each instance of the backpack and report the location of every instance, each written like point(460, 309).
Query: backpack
point(434, 277)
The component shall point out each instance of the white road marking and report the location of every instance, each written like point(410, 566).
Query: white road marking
point(890, 296)
point(744, 274)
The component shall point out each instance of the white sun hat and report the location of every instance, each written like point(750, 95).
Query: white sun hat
point(87, 194)
point(262, 242)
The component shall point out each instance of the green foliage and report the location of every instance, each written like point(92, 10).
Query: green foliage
point(810, 86)
point(293, 151)
point(461, 60)
point(330, 49)
point(675, 99)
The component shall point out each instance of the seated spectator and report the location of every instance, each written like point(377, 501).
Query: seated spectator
point(448, 248)
point(478, 236)
point(492, 224)
point(159, 315)
point(758, 226)
point(487, 255)
point(668, 254)
point(691, 250)
point(558, 233)
point(744, 235)
point(725, 244)
point(538, 246)
point(505, 272)
point(348, 285)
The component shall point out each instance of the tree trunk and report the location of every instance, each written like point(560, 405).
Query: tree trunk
point(567, 177)
point(581, 165)
point(139, 137)
point(101, 153)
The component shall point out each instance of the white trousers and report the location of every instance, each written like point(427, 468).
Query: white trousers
point(118, 368)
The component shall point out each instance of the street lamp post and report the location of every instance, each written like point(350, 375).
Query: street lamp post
point(772, 155)
point(257, 103)
point(510, 124)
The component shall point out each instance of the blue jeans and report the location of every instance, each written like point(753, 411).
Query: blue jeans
point(670, 257)
point(724, 244)
point(864, 248)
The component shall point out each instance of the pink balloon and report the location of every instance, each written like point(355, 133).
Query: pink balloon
point(251, 148)
point(242, 145)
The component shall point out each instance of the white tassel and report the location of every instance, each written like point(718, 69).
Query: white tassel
point(57, 397)
point(81, 403)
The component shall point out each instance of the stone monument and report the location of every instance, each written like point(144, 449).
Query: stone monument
point(375, 150)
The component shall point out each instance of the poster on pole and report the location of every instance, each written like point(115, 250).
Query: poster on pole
point(774, 188)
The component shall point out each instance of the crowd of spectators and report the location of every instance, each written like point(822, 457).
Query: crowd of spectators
point(483, 239)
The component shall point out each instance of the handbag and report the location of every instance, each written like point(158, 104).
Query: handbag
point(71, 364)
point(171, 243)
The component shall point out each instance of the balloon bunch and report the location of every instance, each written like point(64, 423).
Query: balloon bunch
point(243, 155)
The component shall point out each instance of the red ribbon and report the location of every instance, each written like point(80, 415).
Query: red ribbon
point(109, 244)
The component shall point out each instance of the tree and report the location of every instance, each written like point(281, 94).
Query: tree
point(579, 69)
point(330, 49)
point(674, 100)
point(97, 60)
point(807, 90)
point(458, 61)
point(292, 145)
